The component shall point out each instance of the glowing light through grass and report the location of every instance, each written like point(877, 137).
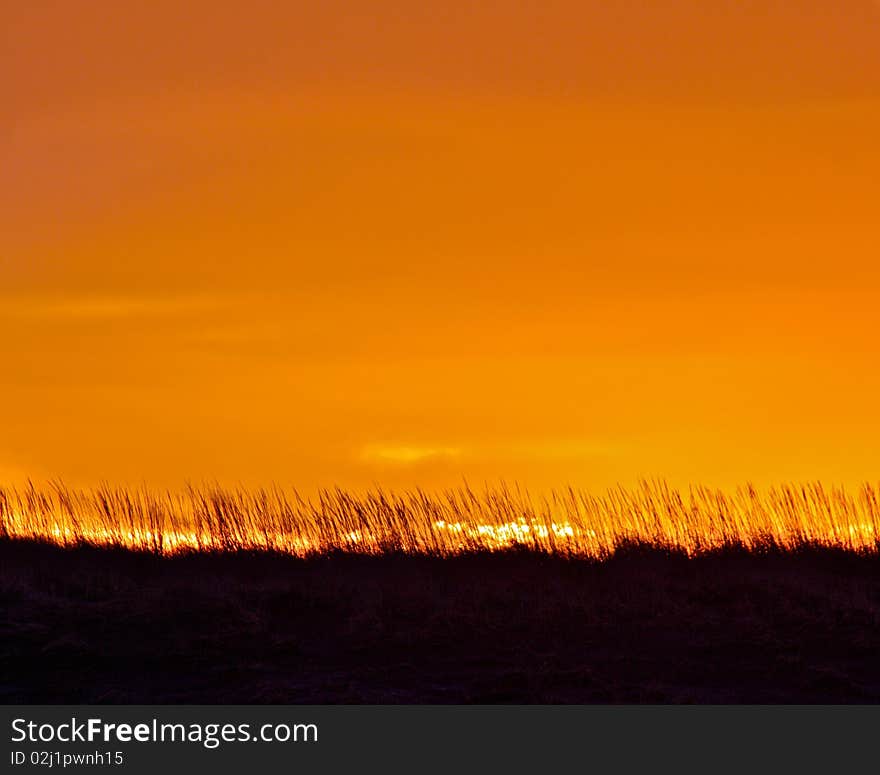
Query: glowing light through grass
point(567, 522)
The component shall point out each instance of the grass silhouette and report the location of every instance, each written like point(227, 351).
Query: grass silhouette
point(460, 521)
point(643, 595)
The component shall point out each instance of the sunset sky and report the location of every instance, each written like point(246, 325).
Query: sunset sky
point(566, 241)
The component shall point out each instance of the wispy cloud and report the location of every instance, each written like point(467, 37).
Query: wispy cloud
point(102, 308)
point(538, 449)
point(406, 454)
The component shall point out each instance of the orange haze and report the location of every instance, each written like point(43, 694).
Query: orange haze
point(559, 241)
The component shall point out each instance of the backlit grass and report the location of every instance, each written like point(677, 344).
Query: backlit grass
point(566, 522)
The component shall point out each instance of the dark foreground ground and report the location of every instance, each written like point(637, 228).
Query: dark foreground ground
point(89, 625)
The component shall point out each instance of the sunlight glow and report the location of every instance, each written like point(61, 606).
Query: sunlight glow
point(569, 522)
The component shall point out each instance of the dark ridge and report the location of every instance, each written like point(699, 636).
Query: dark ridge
point(92, 624)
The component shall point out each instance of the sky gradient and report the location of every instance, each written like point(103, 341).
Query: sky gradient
point(397, 243)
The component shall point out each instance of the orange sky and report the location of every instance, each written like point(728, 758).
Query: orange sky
point(564, 241)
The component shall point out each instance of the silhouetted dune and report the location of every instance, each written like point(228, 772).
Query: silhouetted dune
point(110, 625)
